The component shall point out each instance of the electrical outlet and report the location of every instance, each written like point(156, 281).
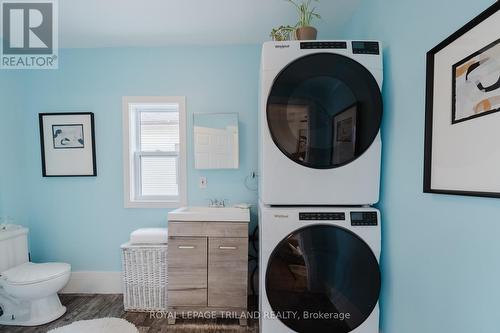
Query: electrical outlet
point(203, 182)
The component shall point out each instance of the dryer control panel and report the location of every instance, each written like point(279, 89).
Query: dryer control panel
point(364, 218)
point(323, 45)
point(323, 216)
point(360, 47)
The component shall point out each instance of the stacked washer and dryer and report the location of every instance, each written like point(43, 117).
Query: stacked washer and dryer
point(320, 154)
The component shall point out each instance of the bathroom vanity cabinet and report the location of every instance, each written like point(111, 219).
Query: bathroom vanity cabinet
point(207, 267)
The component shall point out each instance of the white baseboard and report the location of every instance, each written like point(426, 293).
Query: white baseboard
point(94, 283)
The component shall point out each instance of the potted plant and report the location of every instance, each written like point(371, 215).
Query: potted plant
point(282, 33)
point(304, 30)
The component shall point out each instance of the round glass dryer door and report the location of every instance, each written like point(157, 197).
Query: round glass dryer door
point(324, 110)
point(322, 279)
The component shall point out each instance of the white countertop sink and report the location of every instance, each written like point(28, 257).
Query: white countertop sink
point(210, 214)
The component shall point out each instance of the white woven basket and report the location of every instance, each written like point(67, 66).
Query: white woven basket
point(144, 277)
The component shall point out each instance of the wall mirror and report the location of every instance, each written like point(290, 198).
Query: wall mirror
point(216, 143)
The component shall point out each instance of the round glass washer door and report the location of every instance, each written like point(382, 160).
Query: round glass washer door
point(322, 279)
point(324, 110)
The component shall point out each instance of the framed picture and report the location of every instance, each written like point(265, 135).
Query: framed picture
point(462, 135)
point(344, 135)
point(67, 144)
point(302, 144)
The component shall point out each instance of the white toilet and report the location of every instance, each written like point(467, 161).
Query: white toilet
point(28, 291)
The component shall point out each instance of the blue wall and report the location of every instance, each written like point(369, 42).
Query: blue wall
point(11, 136)
point(82, 220)
point(440, 253)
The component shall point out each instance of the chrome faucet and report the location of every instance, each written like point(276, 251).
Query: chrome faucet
point(216, 203)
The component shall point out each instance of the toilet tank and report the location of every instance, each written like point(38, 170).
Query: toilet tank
point(13, 246)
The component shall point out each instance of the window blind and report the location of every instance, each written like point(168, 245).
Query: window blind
point(159, 131)
point(159, 149)
point(159, 176)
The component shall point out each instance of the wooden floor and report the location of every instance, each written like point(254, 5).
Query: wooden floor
point(82, 307)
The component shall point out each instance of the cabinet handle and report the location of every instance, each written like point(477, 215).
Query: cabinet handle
point(186, 247)
point(227, 247)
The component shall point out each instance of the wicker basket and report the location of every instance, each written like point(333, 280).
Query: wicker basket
point(144, 277)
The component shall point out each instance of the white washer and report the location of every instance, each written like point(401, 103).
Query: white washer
point(320, 114)
point(319, 262)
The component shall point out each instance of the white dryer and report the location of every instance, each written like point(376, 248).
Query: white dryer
point(320, 115)
point(319, 269)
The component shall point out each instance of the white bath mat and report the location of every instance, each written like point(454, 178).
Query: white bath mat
point(103, 325)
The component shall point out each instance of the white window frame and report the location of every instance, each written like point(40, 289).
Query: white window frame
point(131, 158)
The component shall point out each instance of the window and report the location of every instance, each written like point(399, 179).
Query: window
point(154, 152)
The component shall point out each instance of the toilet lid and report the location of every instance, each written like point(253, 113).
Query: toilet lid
point(29, 273)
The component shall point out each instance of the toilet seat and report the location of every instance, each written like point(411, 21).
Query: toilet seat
point(30, 273)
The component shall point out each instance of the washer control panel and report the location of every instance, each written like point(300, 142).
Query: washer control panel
point(364, 218)
point(323, 216)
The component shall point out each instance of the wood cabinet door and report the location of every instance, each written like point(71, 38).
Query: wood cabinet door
point(227, 272)
point(187, 271)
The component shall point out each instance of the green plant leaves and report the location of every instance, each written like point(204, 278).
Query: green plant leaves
point(282, 33)
point(306, 13)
